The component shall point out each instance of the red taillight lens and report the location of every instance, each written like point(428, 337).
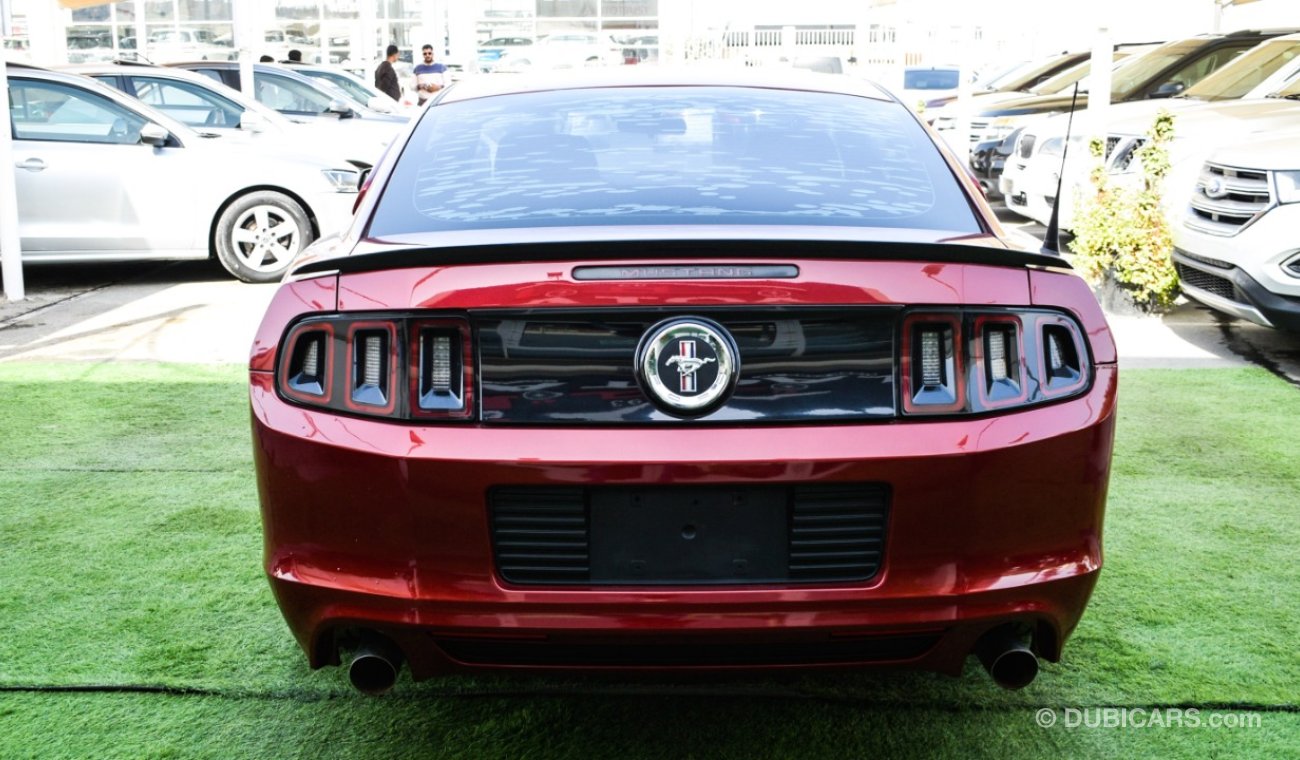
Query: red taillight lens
point(306, 367)
point(373, 367)
point(389, 366)
point(1061, 362)
point(968, 361)
point(932, 364)
point(442, 377)
point(998, 358)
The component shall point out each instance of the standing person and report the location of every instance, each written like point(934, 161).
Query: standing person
point(429, 76)
point(386, 77)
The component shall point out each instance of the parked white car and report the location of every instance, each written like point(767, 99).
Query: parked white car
point(922, 84)
point(187, 45)
point(101, 176)
point(205, 105)
point(982, 128)
point(357, 89)
point(1237, 246)
point(303, 99)
point(491, 52)
point(565, 50)
point(1238, 99)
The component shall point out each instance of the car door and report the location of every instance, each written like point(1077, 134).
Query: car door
point(86, 185)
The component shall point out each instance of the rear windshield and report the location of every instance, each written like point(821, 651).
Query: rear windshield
point(931, 79)
point(670, 155)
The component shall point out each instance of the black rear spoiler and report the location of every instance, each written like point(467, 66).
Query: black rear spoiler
point(733, 251)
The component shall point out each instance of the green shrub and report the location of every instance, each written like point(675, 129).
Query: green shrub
point(1121, 233)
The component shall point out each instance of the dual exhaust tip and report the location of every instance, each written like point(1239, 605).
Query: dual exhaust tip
point(376, 661)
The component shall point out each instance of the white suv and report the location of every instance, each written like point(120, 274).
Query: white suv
point(1238, 248)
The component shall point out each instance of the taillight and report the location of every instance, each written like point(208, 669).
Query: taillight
point(968, 361)
point(932, 363)
point(373, 367)
point(383, 366)
point(306, 364)
point(442, 361)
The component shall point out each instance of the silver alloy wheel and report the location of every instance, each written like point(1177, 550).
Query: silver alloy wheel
point(265, 238)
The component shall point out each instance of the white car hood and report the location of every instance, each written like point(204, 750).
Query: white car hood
point(1220, 120)
point(1280, 151)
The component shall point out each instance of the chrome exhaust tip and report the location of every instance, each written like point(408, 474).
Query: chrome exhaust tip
point(375, 665)
point(1007, 658)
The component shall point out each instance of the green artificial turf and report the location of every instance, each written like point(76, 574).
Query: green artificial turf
point(130, 554)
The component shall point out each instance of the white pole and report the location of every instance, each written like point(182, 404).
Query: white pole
point(961, 143)
point(11, 252)
point(141, 33)
point(248, 37)
point(1099, 83)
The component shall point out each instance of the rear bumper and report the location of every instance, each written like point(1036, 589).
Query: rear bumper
point(371, 525)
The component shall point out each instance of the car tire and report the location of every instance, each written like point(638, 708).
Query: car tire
point(260, 234)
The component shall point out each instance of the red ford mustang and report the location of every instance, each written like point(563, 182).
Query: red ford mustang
point(679, 371)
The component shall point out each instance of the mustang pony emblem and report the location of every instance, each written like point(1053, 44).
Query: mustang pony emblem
point(687, 365)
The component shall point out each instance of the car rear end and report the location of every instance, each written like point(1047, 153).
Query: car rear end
point(539, 443)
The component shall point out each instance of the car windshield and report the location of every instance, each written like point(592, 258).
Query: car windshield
point(1005, 76)
point(350, 87)
point(1247, 72)
point(670, 155)
point(1066, 78)
point(931, 79)
point(1291, 90)
point(1079, 73)
point(289, 95)
point(1126, 80)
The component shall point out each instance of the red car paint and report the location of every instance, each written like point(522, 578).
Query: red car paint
point(370, 522)
point(382, 525)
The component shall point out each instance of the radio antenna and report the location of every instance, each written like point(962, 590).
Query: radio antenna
point(1052, 240)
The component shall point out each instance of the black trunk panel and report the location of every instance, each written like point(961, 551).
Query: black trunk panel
point(796, 365)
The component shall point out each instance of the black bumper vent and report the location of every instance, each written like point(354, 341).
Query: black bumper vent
point(543, 535)
point(1210, 283)
point(540, 535)
point(837, 533)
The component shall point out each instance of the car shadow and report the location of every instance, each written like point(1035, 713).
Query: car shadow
point(59, 296)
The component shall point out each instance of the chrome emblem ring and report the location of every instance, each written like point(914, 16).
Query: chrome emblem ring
point(1215, 189)
point(687, 366)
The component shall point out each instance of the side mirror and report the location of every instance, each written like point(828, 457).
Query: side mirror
point(340, 107)
point(1168, 90)
point(152, 134)
point(251, 121)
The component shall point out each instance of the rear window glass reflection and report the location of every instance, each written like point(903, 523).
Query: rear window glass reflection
point(670, 155)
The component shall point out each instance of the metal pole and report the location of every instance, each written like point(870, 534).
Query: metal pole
point(11, 252)
point(1099, 79)
point(249, 36)
point(141, 33)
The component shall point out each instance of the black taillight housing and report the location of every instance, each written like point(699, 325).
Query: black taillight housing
point(442, 369)
point(392, 366)
point(964, 361)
